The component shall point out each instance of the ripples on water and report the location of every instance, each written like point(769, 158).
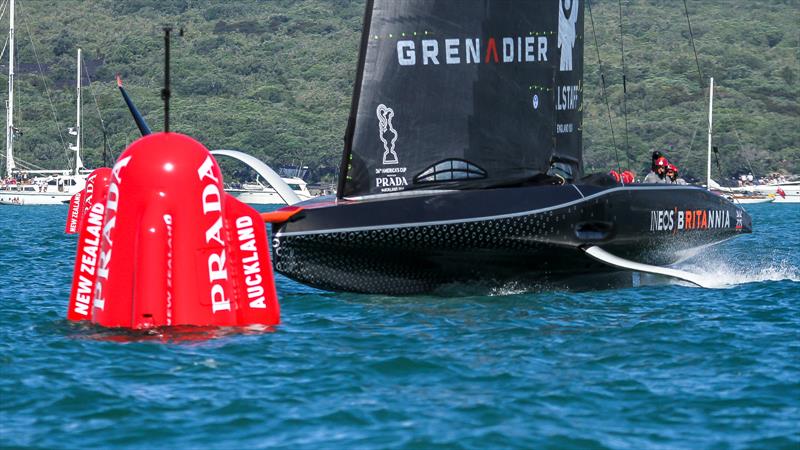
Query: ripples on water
point(654, 367)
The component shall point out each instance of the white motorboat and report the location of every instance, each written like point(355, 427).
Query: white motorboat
point(258, 193)
point(786, 192)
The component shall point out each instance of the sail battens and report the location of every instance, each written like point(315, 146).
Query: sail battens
point(464, 94)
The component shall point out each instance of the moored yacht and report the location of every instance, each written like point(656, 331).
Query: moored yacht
point(54, 189)
point(45, 187)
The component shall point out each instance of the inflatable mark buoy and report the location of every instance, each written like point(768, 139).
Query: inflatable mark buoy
point(86, 216)
point(162, 244)
point(82, 201)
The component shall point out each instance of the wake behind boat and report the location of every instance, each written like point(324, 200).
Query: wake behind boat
point(463, 162)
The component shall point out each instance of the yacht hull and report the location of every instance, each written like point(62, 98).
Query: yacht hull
point(423, 243)
point(260, 197)
point(33, 198)
point(753, 200)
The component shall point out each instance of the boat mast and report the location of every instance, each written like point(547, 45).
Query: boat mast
point(77, 148)
point(10, 165)
point(710, 126)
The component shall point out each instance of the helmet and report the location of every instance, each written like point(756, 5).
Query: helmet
point(662, 162)
point(627, 177)
point(614, 174)
point(672, 167)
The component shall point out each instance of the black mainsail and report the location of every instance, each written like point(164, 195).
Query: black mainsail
point(492, 98)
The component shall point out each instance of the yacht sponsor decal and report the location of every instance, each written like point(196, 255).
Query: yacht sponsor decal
point(494, 50)
point(389, 179)
point(566, 31)
point(699, 219)
point(567, 97)
point(563, 128)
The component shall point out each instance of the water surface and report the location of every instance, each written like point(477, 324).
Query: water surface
point(654, 367)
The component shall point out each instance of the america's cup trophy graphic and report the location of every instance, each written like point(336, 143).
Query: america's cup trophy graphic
point(385, 115)
point(566, 31)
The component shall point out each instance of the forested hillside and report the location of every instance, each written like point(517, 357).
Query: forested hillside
point(274, 78)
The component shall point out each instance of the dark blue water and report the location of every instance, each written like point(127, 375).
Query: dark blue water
point(654, 367)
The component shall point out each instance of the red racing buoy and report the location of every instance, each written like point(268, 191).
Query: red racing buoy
point(174, 248)
point(89, 213)
point(81, 202)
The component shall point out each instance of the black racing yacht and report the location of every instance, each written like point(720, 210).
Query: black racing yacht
point(463, 163)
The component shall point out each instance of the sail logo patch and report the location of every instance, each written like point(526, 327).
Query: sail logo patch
point(385, 115)
point(518, 49)
point(566, 32)
point(389, 179)
point(567, 97)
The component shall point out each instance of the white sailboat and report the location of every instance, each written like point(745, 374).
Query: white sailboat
point(734, 196)
point(44, 187)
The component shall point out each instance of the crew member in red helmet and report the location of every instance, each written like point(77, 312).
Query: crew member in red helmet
point(628, 177)
point(672, 175)
point(659, 175)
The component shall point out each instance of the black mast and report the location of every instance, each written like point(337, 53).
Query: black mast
point(166, 93)
point(344, 168)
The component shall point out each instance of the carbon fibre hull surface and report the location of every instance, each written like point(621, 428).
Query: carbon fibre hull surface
point(423, 243)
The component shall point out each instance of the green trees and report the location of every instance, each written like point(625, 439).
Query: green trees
point(274, 78)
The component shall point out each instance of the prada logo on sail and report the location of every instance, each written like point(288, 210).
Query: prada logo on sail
point(518, 49)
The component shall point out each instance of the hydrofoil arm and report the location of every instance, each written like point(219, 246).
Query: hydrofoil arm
point(615, 261)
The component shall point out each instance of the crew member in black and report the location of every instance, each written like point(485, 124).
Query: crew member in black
point(656, 155)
